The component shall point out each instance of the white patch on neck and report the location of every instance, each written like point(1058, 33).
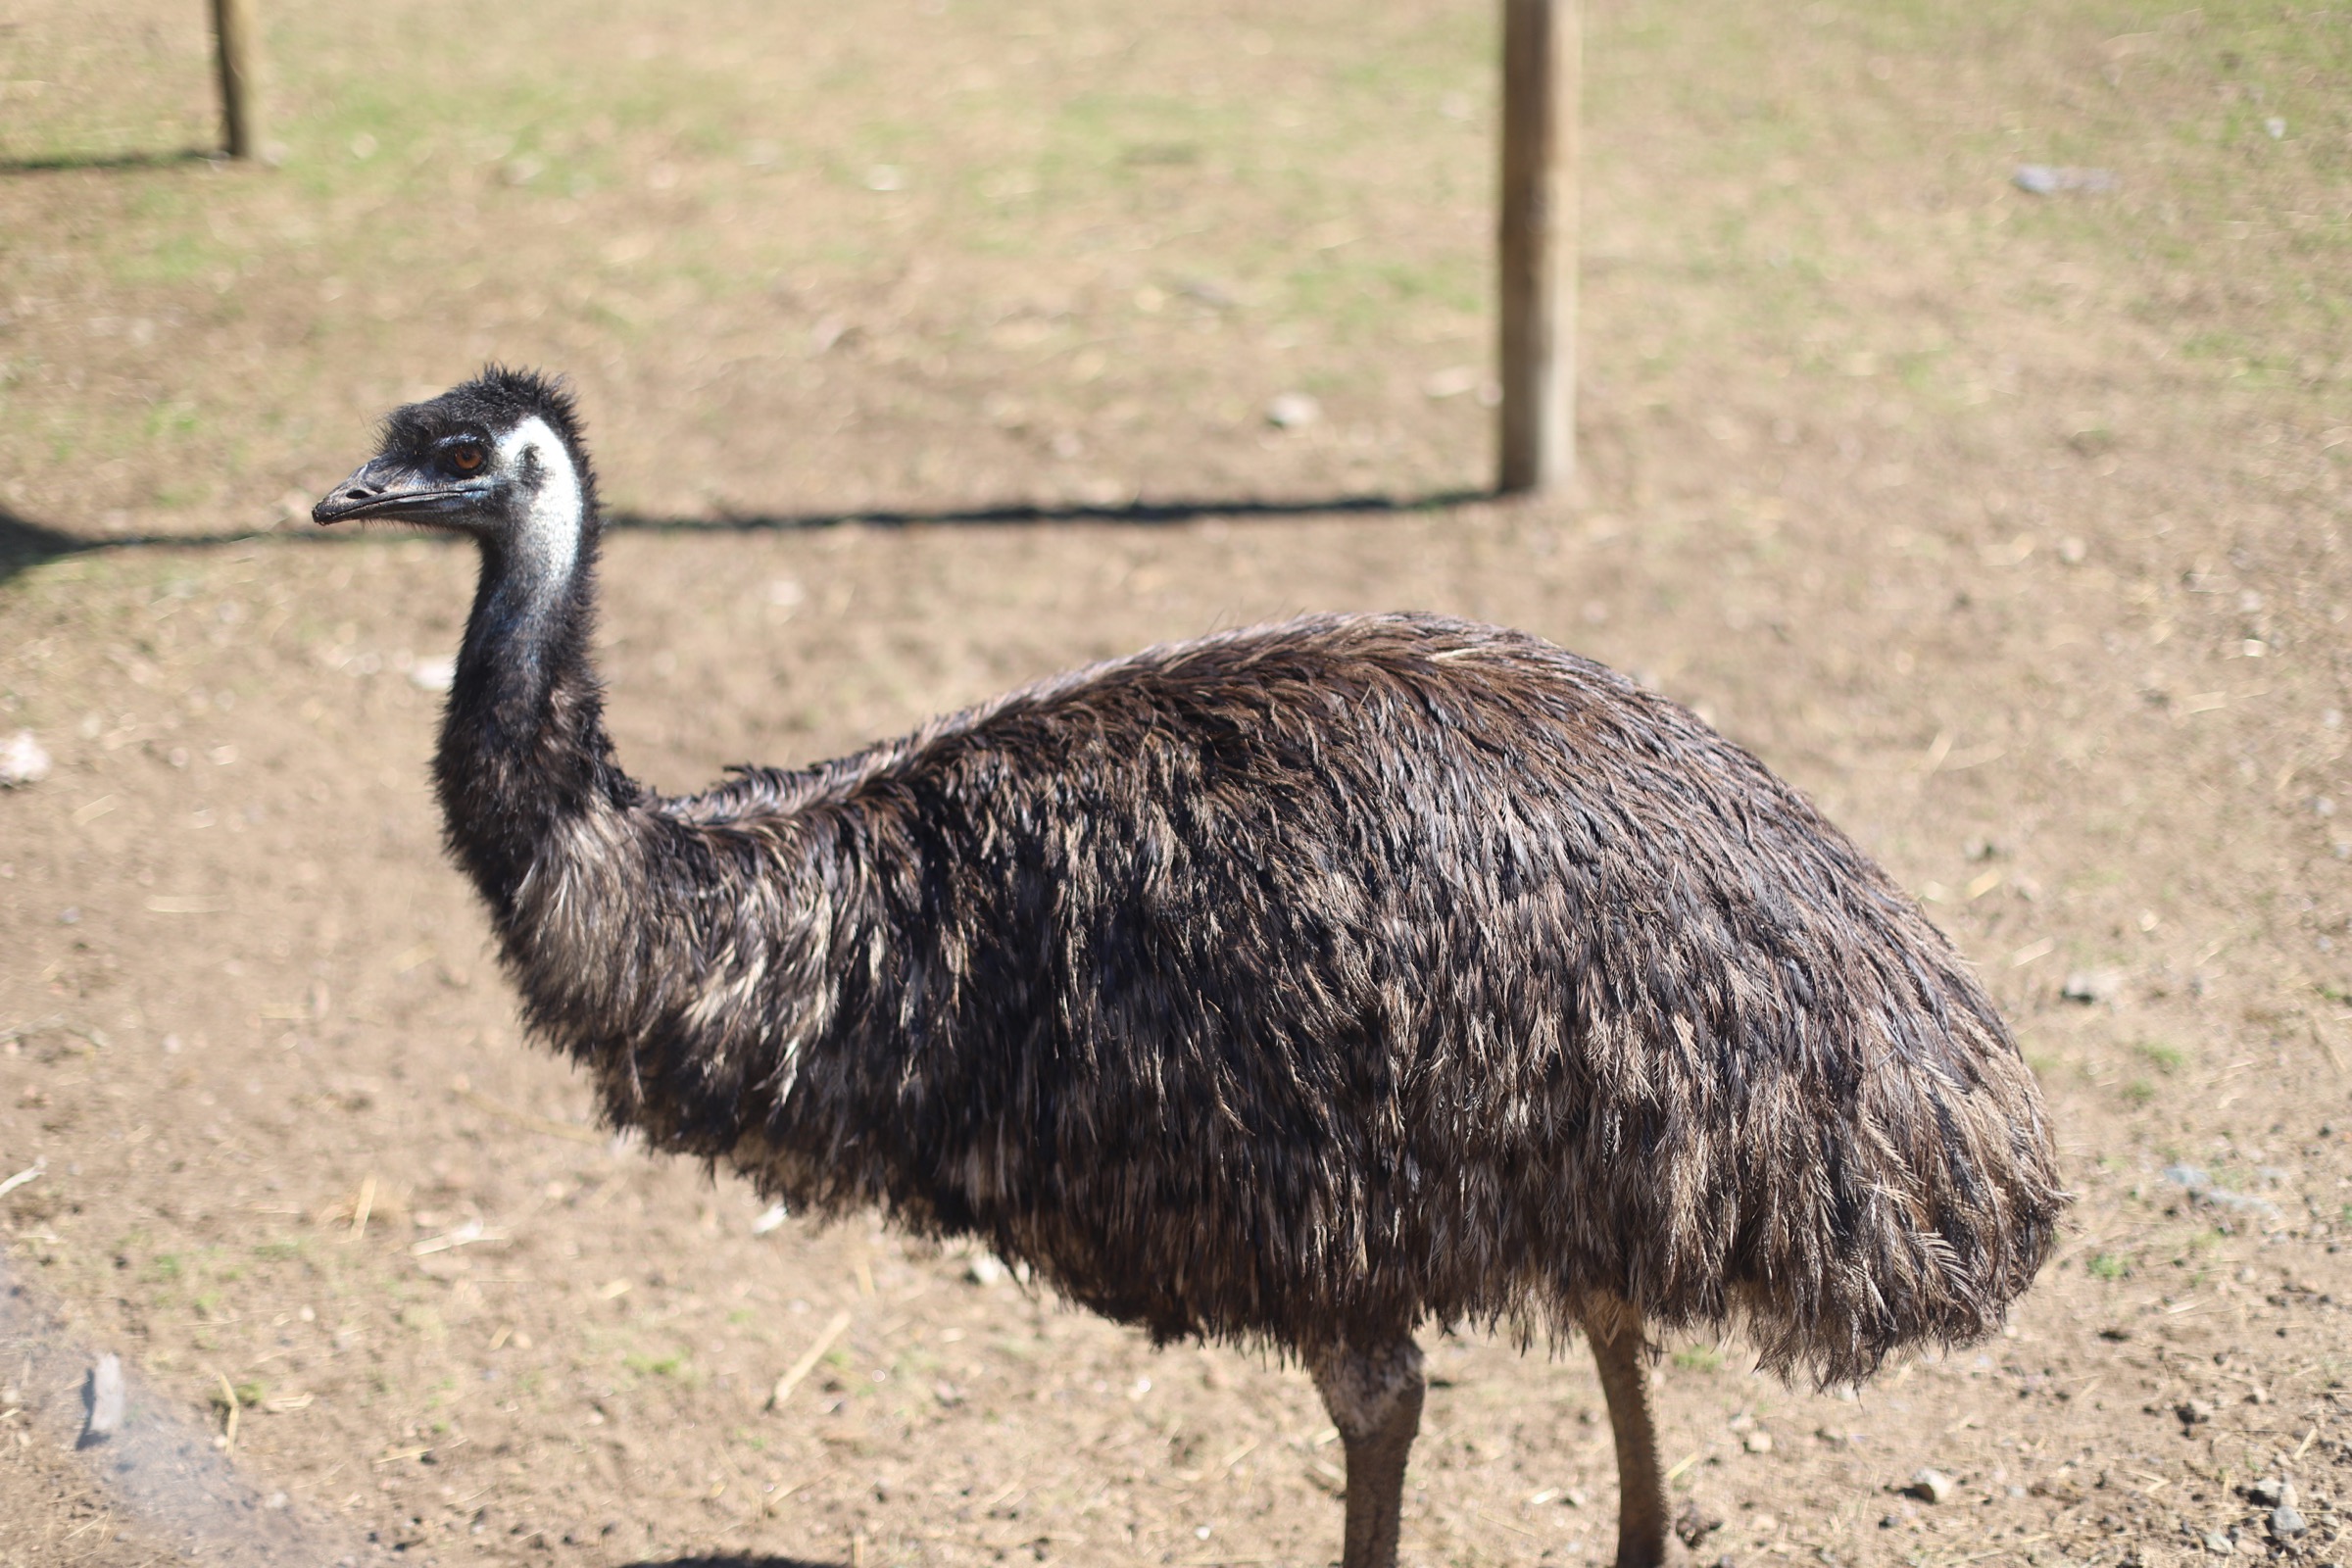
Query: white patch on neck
point(548, 544)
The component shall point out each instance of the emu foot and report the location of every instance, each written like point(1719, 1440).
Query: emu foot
point(1695, 1524)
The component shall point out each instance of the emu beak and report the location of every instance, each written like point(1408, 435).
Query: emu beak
point(391, 487)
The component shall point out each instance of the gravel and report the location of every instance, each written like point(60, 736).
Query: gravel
point(102, 1397)
point(23, 760)
point(1293, 410)
point(2093, 985)
point(2198, 1183)
point(2045, 179)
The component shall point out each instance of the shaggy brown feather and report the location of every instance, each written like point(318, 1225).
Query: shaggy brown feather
point(1296, 986)
point(1318, 979)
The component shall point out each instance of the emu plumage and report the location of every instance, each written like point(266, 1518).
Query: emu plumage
point(1296, 986)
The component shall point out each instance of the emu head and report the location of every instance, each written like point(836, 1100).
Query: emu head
point(498, 458)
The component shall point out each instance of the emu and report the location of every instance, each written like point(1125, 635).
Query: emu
point(1294, 986)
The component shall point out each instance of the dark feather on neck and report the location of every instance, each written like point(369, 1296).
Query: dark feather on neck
point(523, 741)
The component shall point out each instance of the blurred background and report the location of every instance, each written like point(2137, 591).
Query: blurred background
point(1963, 428)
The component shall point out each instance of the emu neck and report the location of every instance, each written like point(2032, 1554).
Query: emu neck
point(522, 744)
point(525, 639)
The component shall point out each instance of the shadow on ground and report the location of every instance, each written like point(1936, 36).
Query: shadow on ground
point(1138, 512)
point(66, 163)
point(25, 543)
point(733, 1562)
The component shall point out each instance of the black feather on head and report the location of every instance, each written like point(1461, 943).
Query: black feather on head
point(492, 403)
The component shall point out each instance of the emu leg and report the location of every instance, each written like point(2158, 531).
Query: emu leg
point(1374, 1396)
point(1641, 1491)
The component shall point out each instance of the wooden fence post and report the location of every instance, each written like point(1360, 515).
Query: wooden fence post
point(237, 27)
point(1542, 59)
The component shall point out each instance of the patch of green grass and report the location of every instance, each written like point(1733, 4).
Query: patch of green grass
point(179, 257)
point(425, 1322)
point(2166, 1059)
point(676, 1365)
point(1920, 369)
point(1698, 1358)
point(246, 1394)
point(413, 137)
point(168, 419)
point(2109, 1266)
point(2138, 1091)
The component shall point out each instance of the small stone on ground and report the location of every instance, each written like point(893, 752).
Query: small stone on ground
point(104, 1395)
point(1292, 411)
point(23, 760)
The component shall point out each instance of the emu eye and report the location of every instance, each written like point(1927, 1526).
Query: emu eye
point(465, 456)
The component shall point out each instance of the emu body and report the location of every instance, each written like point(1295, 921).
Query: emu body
point(1297, 986)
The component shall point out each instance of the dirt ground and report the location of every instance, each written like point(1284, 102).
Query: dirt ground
point(927, 347)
